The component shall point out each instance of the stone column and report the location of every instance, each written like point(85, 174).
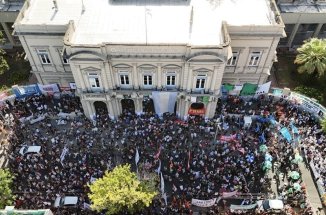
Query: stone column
point(135, 76)
point(111, 109)
point(319, 26)
point(110, 76)
point(184, 76)
point(159, 76)
point(104, 79)
point(207, 111)
point(294, 32)
point(189, 79)
point(8, 34)
point(213, 81)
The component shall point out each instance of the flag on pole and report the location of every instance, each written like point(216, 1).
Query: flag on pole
point(158, 170)
point(158, 153)
point(188, 165)
point(165, 198)
point(137, 157)
point(162, 183)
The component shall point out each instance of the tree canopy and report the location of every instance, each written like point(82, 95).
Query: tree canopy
point(3, 63)
point(323, 125)
point(312, 57)
point(310, 92)
point(120, 190)
point(6, 197)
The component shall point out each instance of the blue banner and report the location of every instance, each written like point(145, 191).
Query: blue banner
point(286, 134)
point(25, 91)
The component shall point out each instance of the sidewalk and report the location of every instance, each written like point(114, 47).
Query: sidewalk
point(312, 191)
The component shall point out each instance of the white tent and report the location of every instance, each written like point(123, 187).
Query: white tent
point(247, 121)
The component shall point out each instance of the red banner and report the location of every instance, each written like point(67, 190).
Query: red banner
point(192, 111)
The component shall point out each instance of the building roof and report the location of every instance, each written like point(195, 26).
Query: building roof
point(195, 22)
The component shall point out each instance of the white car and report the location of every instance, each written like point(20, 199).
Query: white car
point(66, 201)
point(271, 205)
point(29, 149)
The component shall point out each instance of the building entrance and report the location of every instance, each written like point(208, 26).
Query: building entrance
point(148, 105)
point(100, 107)
point(128, 106)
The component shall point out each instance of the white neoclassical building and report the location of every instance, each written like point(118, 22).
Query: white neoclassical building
point(170, 54)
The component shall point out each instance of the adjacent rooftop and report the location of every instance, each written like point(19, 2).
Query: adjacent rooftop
point(302, 6)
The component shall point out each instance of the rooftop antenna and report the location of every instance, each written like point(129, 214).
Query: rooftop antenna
point(55, 3)
point(83, 6)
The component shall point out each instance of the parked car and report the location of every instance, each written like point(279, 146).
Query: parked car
point(66, 201)
point(29, 149)
point(271, 205)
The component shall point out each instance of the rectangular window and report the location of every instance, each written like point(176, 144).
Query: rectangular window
point(94, 81)
point(44, 56)
point(170, 80)
point(124, 80)
point(65, 60)
point(254, 58)
point(148, 80)
point(233, 60)
point(200, 82)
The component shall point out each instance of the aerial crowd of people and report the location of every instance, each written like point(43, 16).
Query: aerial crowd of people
point(223, 158)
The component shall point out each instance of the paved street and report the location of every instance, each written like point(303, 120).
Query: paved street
point(312, 191)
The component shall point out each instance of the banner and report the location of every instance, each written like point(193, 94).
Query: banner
point(192, 111)
point(24, 91)
point(243, 207)
point(228, 138)
point(203, 203)
point(229, 194)
point(164, 102)
point(73, 85)
point(263, 89)
point(137, 157)
point(49, 88)
point(286, 134)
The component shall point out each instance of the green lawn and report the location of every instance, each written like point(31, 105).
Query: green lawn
point(287, 76)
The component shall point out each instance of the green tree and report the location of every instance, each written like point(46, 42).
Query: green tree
point(6, 196)
point(3, 63)
point(312, 57)
point(310, 92)
point(120, 190)
point(323, 125)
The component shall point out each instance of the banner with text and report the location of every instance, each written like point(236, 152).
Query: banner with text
point(203, 203)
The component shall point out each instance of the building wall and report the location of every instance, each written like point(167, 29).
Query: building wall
point(97, 70)
point(301, 26)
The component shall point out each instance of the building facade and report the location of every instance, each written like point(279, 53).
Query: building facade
point(130, 55)
point(303, 19)
point(9, 10)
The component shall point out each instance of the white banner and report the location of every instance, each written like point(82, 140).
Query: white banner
point(203, 203)
point(73, 85)
point(229, 194)
point(263, 89)
point(49, 88)
point(164, 102)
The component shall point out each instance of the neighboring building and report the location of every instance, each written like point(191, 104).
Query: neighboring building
point(9, 10)
point(119, 52)
point(303, 19)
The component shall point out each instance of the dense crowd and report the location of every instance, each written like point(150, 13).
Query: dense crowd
point(198, 158)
